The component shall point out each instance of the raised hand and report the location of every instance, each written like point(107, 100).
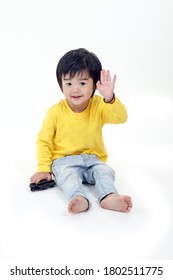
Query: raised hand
point(105, 86)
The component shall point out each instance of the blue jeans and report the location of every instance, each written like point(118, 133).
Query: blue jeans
point(72, 171)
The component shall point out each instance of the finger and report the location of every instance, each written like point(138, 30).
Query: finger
point(108, 75)
point(42, 177)
point(103, 75)
point(32, 179)
point(49, 177)
point(38, 180)
point(114, 79)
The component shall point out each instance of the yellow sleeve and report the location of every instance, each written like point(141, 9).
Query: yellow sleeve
point(44, 143)
point(114, 113)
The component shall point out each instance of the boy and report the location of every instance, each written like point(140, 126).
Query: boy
point(70, 143)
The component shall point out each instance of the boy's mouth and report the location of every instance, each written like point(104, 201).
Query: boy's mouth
point(76, 97)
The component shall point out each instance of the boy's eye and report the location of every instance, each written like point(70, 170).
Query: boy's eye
point(68, 84)
point(82, 84)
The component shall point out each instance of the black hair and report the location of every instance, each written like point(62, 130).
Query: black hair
point(78, 61)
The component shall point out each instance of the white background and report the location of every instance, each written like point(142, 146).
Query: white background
point(134, 39)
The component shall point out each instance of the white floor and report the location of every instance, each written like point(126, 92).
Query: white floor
point(37, 226)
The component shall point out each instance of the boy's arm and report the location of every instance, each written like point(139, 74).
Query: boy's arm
point(114, 113)
point(113, 110)
point(45, 144)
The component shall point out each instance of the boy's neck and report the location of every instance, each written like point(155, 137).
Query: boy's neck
point(78, 108)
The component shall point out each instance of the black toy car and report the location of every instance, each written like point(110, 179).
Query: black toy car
point(42, 185)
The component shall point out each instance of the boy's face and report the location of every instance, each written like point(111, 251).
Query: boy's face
point(78, 90)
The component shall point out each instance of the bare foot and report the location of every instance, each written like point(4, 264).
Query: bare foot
point(78, 204)
point(116, 202)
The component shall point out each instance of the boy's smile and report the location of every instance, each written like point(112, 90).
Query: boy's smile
point(78, 90)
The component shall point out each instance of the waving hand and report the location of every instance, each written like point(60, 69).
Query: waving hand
point(106, 86)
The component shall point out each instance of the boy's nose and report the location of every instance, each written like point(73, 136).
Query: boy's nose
point(75, 88)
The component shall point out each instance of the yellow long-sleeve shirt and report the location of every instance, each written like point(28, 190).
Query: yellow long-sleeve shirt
point(65, 132)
